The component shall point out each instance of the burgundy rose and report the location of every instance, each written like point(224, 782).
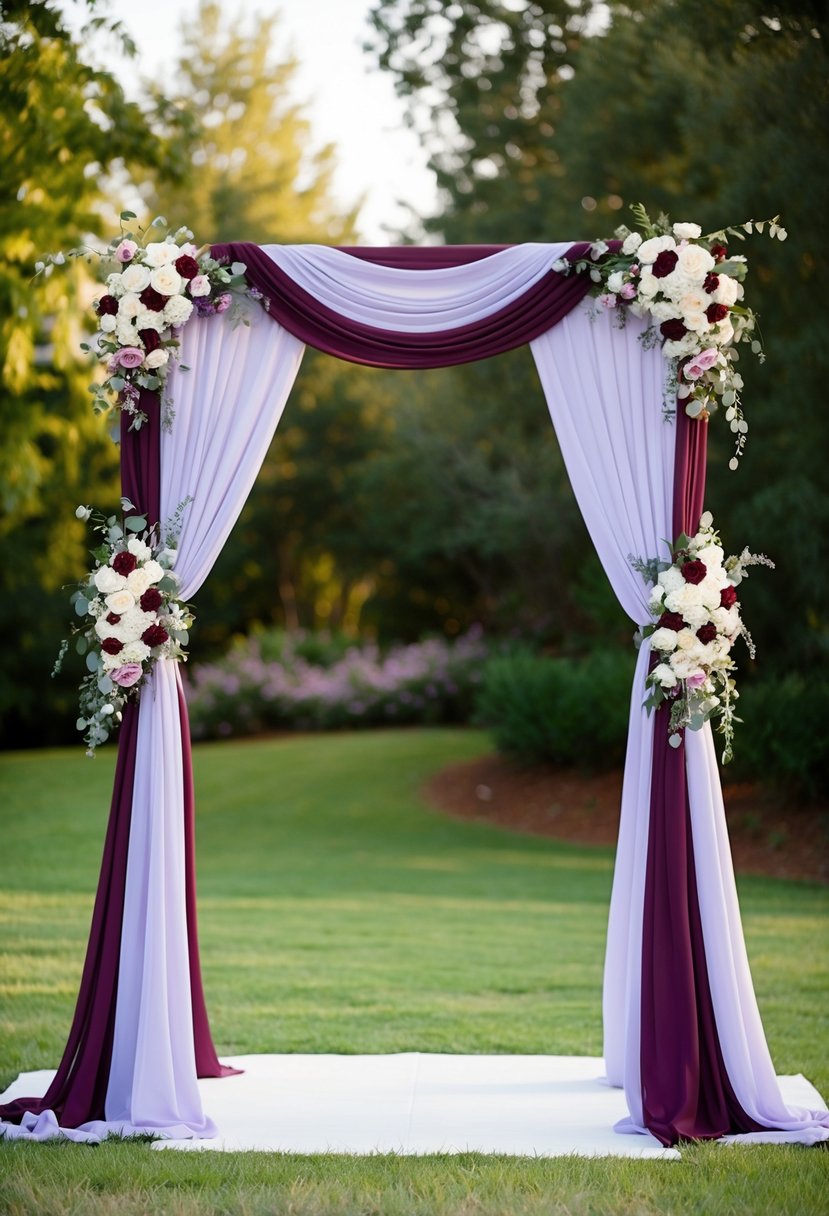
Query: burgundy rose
point(671, 620)
point(113, 618)
point(151, 600)
point(710, 283)
point(153, 299)
point(694, 571)
point(150, 339)
point(112, 646)
point(716, 312)
point(107, 306)
point(673, 330)
point(664, 263)
point(719, 253)
point(187, 267)
point(124, 563)
point(728, 596)
point(155, 635)
point(707, 633)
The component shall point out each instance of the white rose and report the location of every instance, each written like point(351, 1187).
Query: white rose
point(696, 322)
point(150, 319)
point(115, 285)
point(687, 640)
point(723, 332)
point(139, 549)
point(727, 620)
point(615, 280)
point(120, 601)
point(129, 306)
point(139, 581)
point(631, 243)
point(664, 676)
point(135, 652)
point(697, 615)
point(648, 285)
point(126, 333)
point(135, 278)
point(695, 261)
point(177, 310)
point(694, 302)
point(167, 280)
point(686, 664)
point(671, 579)
point(156, 358)
point(108, 580)
point(727, 292)
point(687, 232)
point(133, 624)
point(650, 250)
point(685, 346)
point(663, 639)
point(200, 286)
point(154, 572)
point(663, 310)
point(107, 323)
point(160, 253)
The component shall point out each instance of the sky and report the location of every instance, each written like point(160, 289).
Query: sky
point(349, 104)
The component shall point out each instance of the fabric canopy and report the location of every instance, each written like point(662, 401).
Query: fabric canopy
point(682, 1031)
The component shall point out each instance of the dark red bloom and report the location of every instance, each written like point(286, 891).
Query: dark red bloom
point(671, 620)
point(113, 618)
point(152, 299)
point(187, 267)
point(150, 339)
point(673, 330)
point(112, 646)
point(716, 312)
point(107, 306)
point(151, 599)
point(154, 635)
point(711, 283)
point(124, 562)
point(707, 633)
point(664, 263)
point(719, 253)
point(694, 571)
point(728, 596)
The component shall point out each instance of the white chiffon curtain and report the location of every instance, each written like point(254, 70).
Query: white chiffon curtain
point(227, 408)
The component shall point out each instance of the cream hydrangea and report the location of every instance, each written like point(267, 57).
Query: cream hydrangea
point(664, 639)
point(664, 675)
point(177, 311)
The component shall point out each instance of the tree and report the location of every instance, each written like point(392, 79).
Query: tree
point(56, 149)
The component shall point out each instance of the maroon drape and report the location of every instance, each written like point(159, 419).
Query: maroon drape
point(78, 1092)
point(686, 1093)
point(532, 314)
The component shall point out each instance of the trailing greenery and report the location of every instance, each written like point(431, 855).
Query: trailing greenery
point(338, 913)
point(559, 710)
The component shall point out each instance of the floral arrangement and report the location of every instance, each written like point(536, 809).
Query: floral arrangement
point(130, 616)
point(152, 290)
point(691, 288)
point(697, 621)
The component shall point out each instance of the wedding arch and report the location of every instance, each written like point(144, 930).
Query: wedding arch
point(683, 1035)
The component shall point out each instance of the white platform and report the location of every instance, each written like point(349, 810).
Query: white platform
point(535, 1106)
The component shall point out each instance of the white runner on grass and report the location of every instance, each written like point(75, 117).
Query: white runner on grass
point(533, 1106)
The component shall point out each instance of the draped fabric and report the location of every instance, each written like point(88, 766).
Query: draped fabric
point(682, 1031)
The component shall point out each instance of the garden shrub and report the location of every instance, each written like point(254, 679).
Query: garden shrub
point(782, 739)
point(280, 680)
point(561, 710)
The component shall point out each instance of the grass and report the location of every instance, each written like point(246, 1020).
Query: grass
point(337, 913)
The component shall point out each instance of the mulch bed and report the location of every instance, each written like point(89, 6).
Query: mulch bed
point(767, 836)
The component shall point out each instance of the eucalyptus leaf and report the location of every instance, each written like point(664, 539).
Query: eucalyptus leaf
point(128, 215)
point(238, 268)
point(81, 606)
point(93, 661)
point(135, 523)
point(105, 685)
point(675, 740)
point(81, 645)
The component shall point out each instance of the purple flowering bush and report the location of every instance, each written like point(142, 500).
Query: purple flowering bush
point(285, 681)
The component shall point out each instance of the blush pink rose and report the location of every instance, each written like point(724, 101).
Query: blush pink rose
point(607, 300)
point(700, 363)
point(127, 675)
point(128, 356)
point(696, 680)
point(126, 251)
point(223, 302)
point(628, 291)
point(199, 286)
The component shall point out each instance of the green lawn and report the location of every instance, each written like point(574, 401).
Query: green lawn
point(339, 914)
